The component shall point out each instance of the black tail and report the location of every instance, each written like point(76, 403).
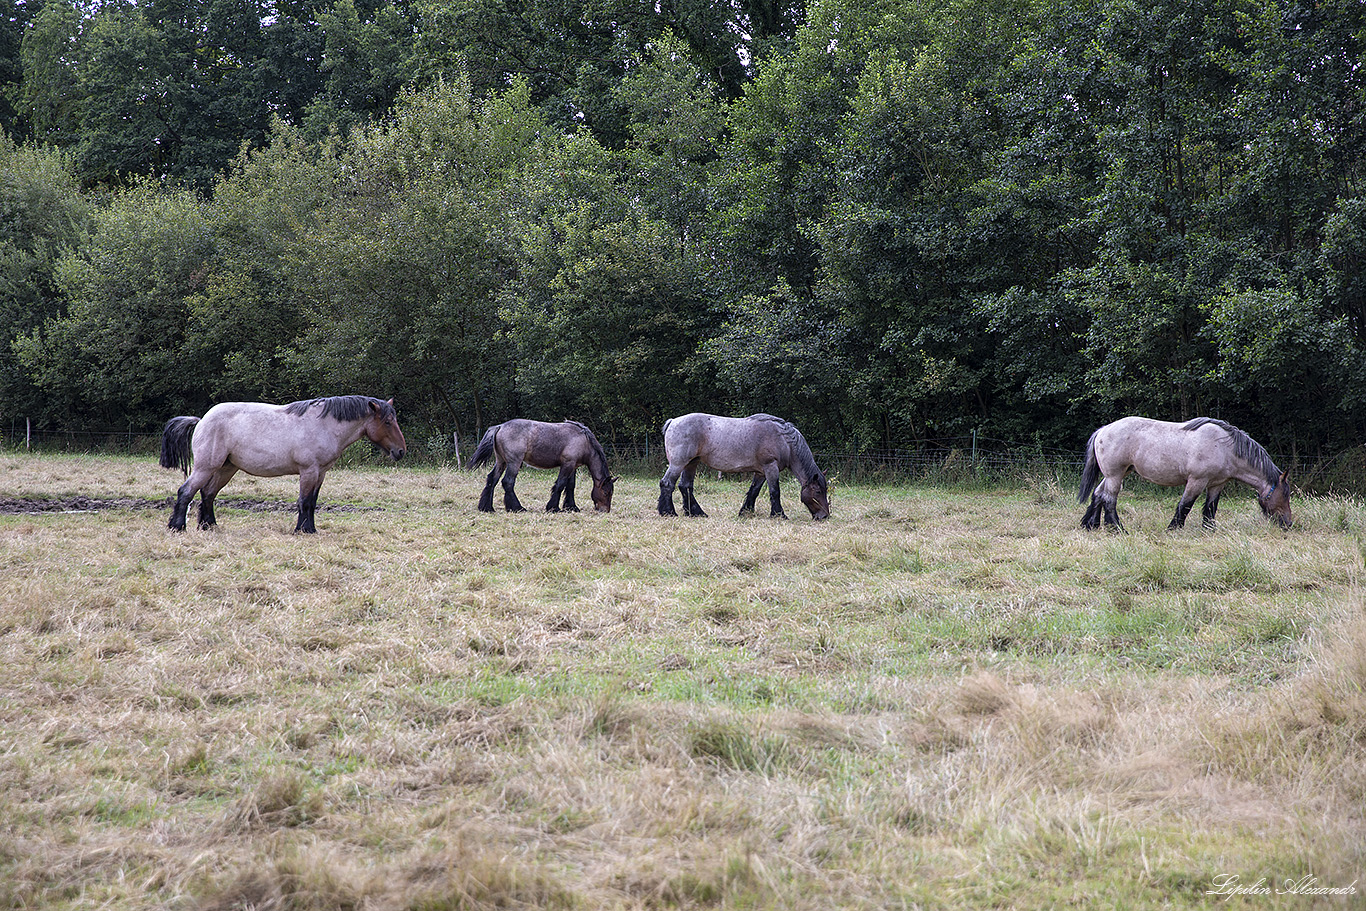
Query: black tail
point(1090, 474)
point(484, 451)
point(175, 443)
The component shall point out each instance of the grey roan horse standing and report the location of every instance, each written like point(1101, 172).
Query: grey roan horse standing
point(1203, 454)
point(566, 446)
point(759, 443)
point(304, 438)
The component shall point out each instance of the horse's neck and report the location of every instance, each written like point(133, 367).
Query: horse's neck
point(597, 464)
point(350, 433)
point(801, 464)
point(1254, 478)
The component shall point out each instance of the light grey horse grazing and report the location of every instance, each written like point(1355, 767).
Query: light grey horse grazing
point(565, 446)
point(304, 438)
point(759, 443)
point(1203, 454)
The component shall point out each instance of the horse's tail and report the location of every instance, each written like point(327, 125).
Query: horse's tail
point(175, 443)
point(1090, 473)
point(484, 451)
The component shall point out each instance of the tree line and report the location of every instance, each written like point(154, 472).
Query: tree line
point(885, 220)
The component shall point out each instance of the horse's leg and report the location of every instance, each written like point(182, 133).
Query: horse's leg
point(774, 498)
point(1091, 520)
point(569, 504)
point(510, 501)
point(1188, 497)
point(193, 484)
point(1211, 504)
point(564, 484)
point(1108, 493)
point(755, 486)
point(486, 498)
point(690, 505)
point(220, 479)
point(310, 482)
point(666, 491)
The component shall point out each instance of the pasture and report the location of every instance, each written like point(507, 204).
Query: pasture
point(936, 699)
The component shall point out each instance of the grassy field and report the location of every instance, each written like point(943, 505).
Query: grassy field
point(937, 699)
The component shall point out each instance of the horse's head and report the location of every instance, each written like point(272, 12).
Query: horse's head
point(1275, 503)
point(602, 493)
point(816, 496)
point(382, 429)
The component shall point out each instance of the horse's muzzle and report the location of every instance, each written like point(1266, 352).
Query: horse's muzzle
point(397, 454)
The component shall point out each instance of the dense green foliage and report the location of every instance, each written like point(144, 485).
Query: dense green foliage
point(889, 220)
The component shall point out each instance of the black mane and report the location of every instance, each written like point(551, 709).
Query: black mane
point(598, 466)
point(801, 450)
point(1244, 447)
point(341, 407)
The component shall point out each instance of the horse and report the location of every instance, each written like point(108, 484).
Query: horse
point(565, 445)
point(759, 443)
point(304, 438)
point(1203, 454)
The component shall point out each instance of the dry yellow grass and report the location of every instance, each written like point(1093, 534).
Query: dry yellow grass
point(936, 699)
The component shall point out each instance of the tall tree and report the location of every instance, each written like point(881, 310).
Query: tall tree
point(113, 359)
point(403, 269)
point(42, 213)
point(365, 63)
point(14, 22)
point(49, 96)
point(573, 54)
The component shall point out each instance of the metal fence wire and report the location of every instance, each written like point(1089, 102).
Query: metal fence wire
point(952, 459)
point(956, 460)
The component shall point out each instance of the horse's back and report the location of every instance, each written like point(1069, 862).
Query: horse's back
point(724, 443)
point(542, 444)
point(1163, 452)
point(238, 419)
point(259, 437)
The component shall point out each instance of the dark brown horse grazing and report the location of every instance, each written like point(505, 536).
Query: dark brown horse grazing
point(759, 443)
point(303, 438)
point(566, 446)
point(1203, 454)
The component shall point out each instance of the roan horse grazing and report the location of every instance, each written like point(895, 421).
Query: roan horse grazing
point(759, 443)
point(304, 438)
point(566, 446)
point(1203, 454)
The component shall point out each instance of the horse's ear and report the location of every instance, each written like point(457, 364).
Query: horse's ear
point(1285, 474)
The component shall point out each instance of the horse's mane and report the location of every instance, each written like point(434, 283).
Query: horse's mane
point(599, 454)
point(1244, 447)
point(801, 450)
point(341, 407)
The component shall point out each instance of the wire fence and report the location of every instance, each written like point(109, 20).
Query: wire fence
point(954, 460)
